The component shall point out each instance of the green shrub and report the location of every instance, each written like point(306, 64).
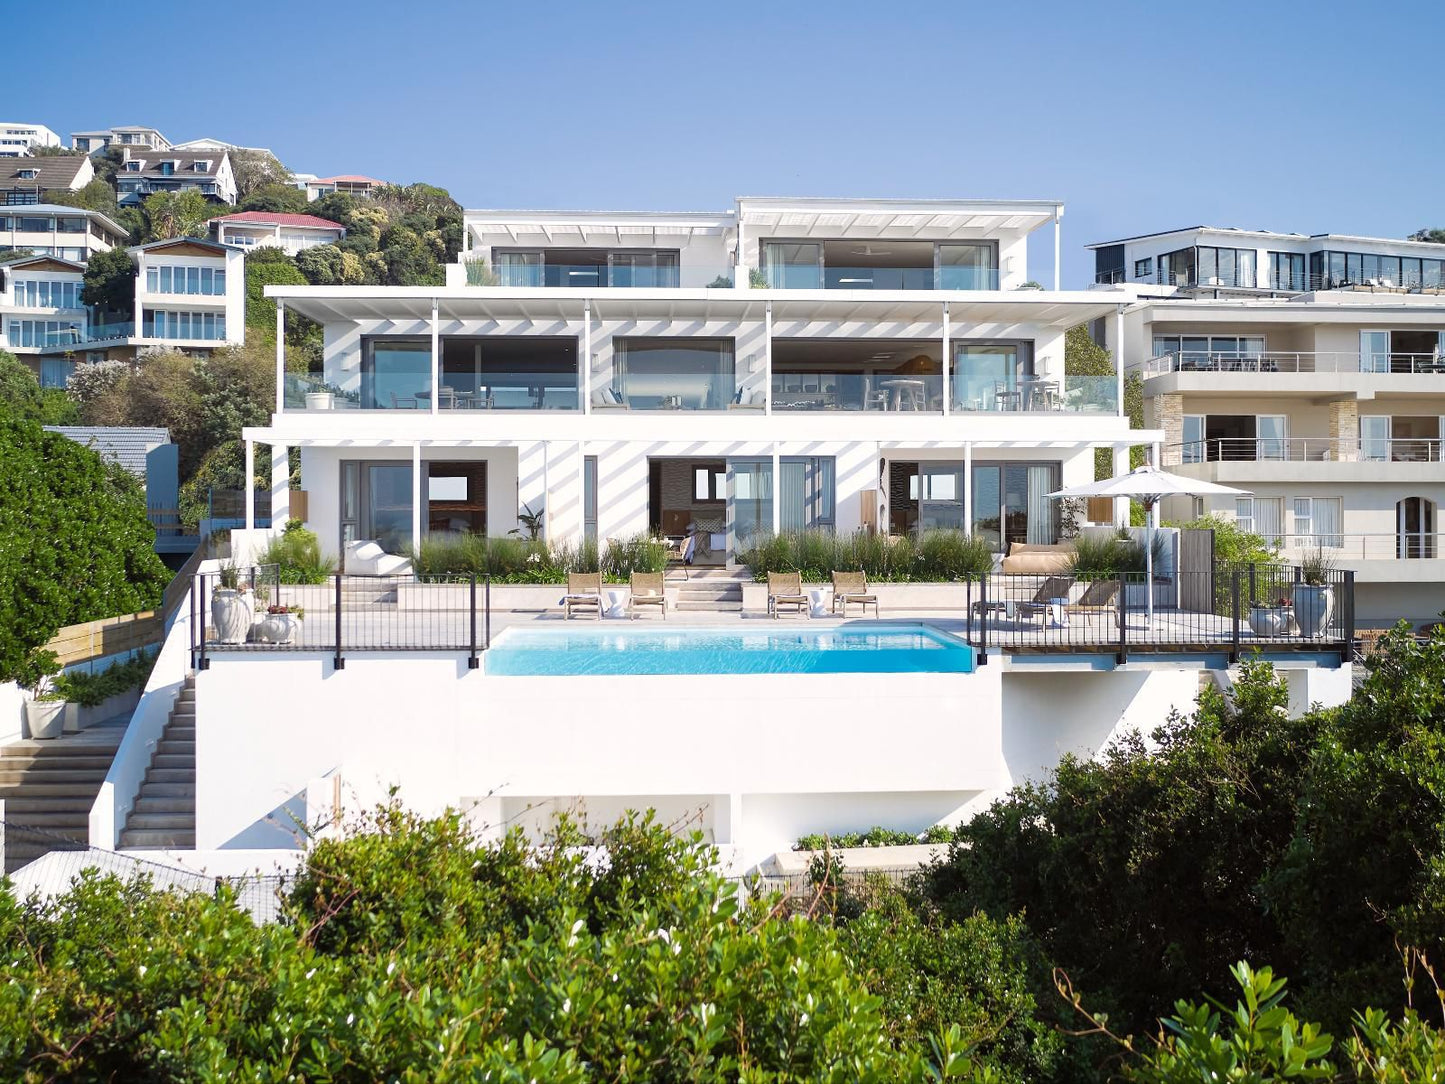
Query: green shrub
point(510, 559)
point(877, 836)
point(297, 555)
point(89, 690)
point(938, 556)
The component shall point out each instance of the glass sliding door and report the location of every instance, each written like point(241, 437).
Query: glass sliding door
point(1272, 436)
point(518, 268)
point(791, 265)
point(386, 505)
point(395, 374)
point(988, 504)
point(968, 266)
point(1374, 351)
point(1375, 437)
point(643, 269)
point(986, 375)
point(940, 496)
point(751, 501)
point(674, 374)
point(806, 493)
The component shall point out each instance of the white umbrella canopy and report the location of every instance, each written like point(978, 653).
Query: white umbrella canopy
point(1148, 485)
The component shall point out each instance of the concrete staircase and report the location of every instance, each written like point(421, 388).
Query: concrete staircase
point(717, 590)
point(165, 810)
point(48, 788)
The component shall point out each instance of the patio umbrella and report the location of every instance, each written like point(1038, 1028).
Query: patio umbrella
point(1149, 485)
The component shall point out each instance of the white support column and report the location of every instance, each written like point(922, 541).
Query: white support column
point(418, 498)
point(280, 355)
point(777, 490)
point(740, 264)
point(1119, 357)
point(280, 485)
point(585, 376)
point(967, 487)
point(768, 358)
point(436, 357)
point(1057, 277)
point(250, 485)
point(545, 505)
point(1121, 504)
point(582, 493)
point(946, 332)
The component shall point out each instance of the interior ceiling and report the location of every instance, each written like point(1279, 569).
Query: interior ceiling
point(880, 353)
point(862, 253)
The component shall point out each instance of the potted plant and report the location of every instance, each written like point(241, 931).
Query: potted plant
point(45, 709)
point(1269, 618)
point(230, 609)
point(1314, 599)
point(320, 399)
point(281, 625)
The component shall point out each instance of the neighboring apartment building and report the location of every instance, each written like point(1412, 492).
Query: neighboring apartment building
point(351, 184)
point(290, 232)
point(134, 136)
point(28, 180)
point(52, 229)
point(40, 309)
point(144, 173)
point(18, 139)
point(1328, 405)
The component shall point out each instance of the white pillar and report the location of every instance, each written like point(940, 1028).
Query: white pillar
point(250, 485)
point(967, 487)
point(1119, 357)
point(585, 376)
point(545, 504)
point(768, 358)
point(1057, 278)
point(582, 493)
point(1121, 504)
point(418, 498)
point(436, 358)
point(280, 485)
point(777, 490)
point(946, 330)
point(740, 268)
point(280, 355)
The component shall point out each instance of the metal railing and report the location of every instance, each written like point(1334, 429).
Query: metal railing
point(1290, 361)
point(1377, 546)
point(1231, 609)
point(1306, 449)
point(343, 616)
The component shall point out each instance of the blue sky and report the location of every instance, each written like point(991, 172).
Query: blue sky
point(1140, 116)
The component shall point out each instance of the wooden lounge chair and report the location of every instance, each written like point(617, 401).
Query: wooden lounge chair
point(1037, 606)
point(852, 587)
point(647, 590)
point(584, 592)
point(1098, 597)
point(786, 589)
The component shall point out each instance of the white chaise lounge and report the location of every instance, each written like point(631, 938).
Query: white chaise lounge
point(366, 558)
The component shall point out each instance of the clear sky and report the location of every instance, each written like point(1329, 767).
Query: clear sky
point(1307, 117)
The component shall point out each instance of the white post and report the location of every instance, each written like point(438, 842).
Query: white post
point(280, 484)
point(967, 487)
point(1119, 358)
point(740, 269)
point(280, 355)
point(586, 374)
point(436, 358)
point(250, 485)
point(777, 490)
point(1057, 278)
point(1121, 504)
point(546, 502)
point(418, 498)
point(581, 493)
point(768, 358)
point(946, 330)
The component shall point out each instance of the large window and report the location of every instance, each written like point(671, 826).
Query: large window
point(806, 493)
point(395, 374)
point(990, 376)
point(170, 279)
point(972, 266)
point(1238, 352)
point(46, 294)
point(42, 332)
point(1331, 270)
point(752, 503)
point(509, 372)
point(1010, 501)
point(1263, 516)
point(674, 374)
point(1227, 267)
point(1287, 271)
point(182, 324)
point(793, 265)
point(1317, 521)
point(1415, 528)
point(586, 267)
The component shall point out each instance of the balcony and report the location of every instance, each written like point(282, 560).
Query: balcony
point(1380, 546)
point(1275, 361)
point(494, 391)
point(809, 276)
point(1306, 450)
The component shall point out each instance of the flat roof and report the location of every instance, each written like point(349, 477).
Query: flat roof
point(1237, 232)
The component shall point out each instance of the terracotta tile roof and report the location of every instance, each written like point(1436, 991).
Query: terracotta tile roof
point(279, 218)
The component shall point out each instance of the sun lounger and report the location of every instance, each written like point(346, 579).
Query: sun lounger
point(584, 592)
point(853, 587)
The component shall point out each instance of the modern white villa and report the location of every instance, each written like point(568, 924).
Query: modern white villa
point(1311, 372)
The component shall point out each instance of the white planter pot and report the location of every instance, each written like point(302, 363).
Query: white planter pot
point(1313, 607)
point(230, 615)
point(278, 629)
point(1268, 620)
point(45, 718)
point(320, 400)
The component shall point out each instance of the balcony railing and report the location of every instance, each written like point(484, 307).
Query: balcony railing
point(514, 391)
point(1378, 546)
point(812, 277)
point(1278, 361)
point(857, 392)
point(1039, 395)
point(1307, 449)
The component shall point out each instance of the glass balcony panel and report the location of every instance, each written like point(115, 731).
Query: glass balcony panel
point(509, 391)
point(674, 374)
point(878, 278)
point(396, 376)
point(854, 391)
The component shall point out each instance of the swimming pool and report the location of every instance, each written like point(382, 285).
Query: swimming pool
point(882, 649)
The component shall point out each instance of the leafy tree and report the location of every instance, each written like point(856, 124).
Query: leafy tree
point(334, 206)
point(257, 169)
point(178, 214)
point(107, 162)
point(275, 197)
point(95, 195)
point(109, 284)
point(1233, 547)
point(75, 543)
point(330, 265)
point(268, 266)
point(1434, 236)
point(23, 397)
point(55, 152)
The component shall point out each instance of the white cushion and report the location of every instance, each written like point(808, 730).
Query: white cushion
point(364, 551)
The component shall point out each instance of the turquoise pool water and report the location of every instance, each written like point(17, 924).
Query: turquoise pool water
point(891, 649)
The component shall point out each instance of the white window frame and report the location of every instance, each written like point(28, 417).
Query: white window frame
point(1246, 519)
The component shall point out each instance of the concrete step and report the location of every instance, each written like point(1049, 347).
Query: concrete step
point(94, 776)
point(185, 805)
point(183, 734)
point(171, 775)
point(184, 822)
point(85, 791)
point(29, 803)
point(150, 789)
point(54, 764)
point(80, 745)
point(148, 839)
point(184, 711)
point(710, 607)
point(65, 819)
point(163, 760)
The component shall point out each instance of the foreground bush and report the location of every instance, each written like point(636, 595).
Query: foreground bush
point(413, 953)
point(520, 560)
point(297, 555)
point(934, 557)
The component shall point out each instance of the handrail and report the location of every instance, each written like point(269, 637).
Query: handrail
point(1307, 449)
point(1293, 361)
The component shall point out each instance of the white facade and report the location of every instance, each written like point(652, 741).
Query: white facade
point(292, 233)
point(130, 135)
point(18, 139)
point(51, 229)
point(1329, 407)
point(189, 293)
point(41, 308)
